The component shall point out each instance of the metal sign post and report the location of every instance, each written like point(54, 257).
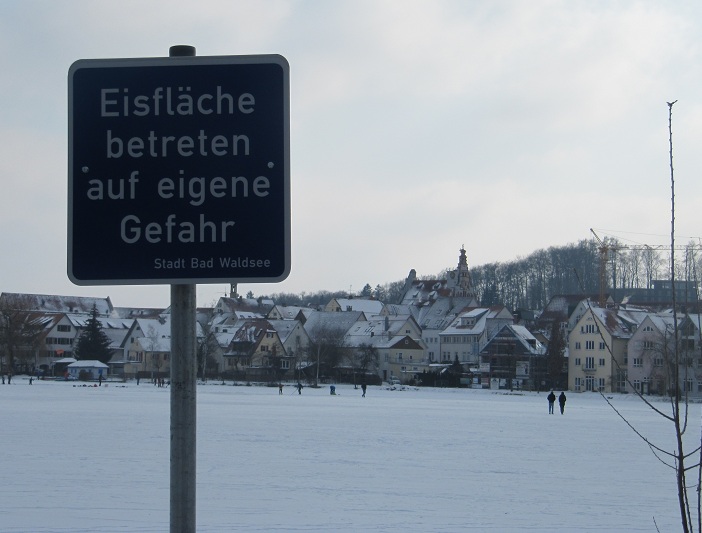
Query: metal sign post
point(183, 394)
point(183, 408)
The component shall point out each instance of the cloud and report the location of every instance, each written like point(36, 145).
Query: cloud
point(416, 126)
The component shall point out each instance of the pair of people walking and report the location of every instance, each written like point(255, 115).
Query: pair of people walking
point(552, 400)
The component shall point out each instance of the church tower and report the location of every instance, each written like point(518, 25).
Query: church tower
point(460, 278)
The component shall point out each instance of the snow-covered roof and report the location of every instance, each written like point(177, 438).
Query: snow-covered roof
point(360, 304)
point(323, 320)
point(88, 363)
point(284, 328)
point(52, 303)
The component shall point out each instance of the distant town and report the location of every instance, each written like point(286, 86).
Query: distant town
point(431, 332)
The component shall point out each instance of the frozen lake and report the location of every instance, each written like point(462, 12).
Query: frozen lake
point(96, 459)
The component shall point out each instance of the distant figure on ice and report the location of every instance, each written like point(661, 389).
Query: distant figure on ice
point(280, 388)
point(332, 390)
point(299, 387)
point(551, 399)
point(562, 401)
point(363, 388)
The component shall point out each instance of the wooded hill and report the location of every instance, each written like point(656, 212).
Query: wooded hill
point(530, 282)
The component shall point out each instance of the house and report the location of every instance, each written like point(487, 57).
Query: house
point(256, 353)
point(401, 357)
point(293, 336)
point(650, 353)
point(398, 344)
point(597, 348)
point(690, 356)
point(470, 331)
point(512, 358)
point(148, 348)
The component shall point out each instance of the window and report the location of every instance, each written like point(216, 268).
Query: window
point(658, 361)
point(648, 345)
point(284, 364)
point(602, 345)
point(590, 363)
point(63, 327)
point(577, 345)
point(577, 361)
point(602, 361)
point(577, 384)
point(589, 328)
point(58, 340)
point(638, 362)
point(637, 385)
point(589, 345)
point(601, 384)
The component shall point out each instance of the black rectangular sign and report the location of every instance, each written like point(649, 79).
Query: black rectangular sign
point(179, 170)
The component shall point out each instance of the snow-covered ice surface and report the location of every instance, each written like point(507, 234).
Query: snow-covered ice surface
point(85, 459)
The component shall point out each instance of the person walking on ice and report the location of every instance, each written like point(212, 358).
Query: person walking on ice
point(562, 401)
point(299, 387)
point(363, 388)
point(551, 399)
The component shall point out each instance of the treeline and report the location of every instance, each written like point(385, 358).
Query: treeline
point(530, 282)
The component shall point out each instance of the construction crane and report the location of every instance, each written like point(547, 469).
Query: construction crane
point(604, 249)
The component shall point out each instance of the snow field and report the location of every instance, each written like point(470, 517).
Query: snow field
point(96, 459)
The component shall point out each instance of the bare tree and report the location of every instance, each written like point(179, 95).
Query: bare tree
point(20, 330)
point(151, 346)
point(207, 346)
point(365, 357)
point(680, 460)
point(326, 349)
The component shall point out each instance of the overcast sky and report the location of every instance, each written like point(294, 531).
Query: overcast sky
point(416, 127)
